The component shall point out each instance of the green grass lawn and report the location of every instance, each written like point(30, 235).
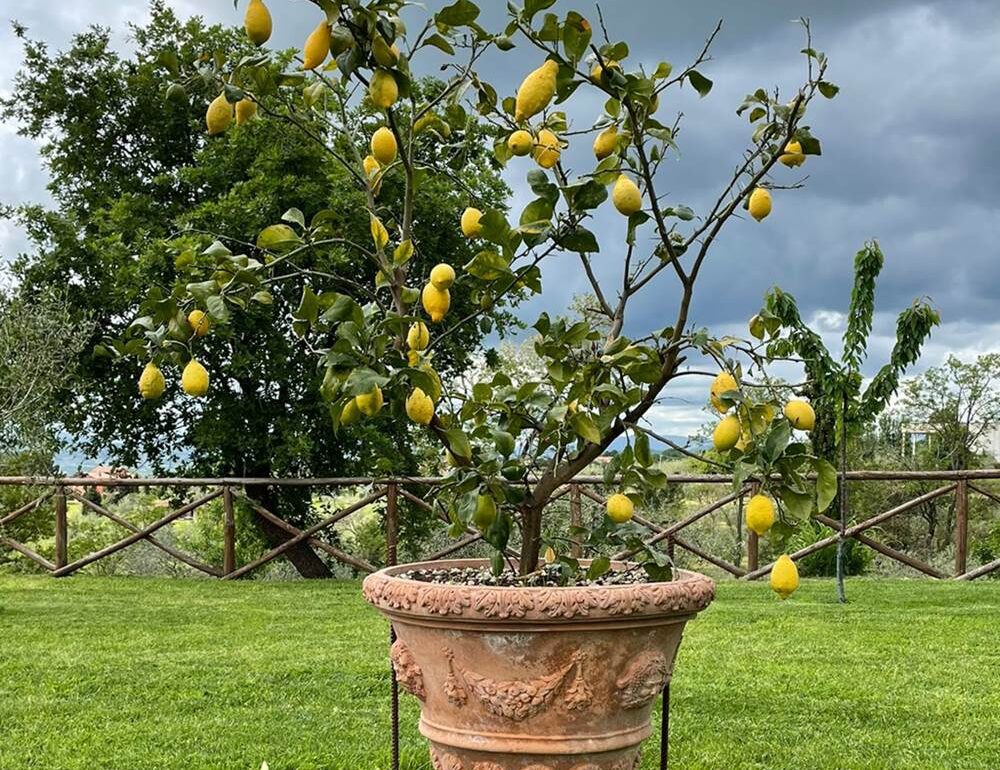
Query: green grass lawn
point(149, 674)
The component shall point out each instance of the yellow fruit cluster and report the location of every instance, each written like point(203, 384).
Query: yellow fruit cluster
point(436, 297)
point(194, 380)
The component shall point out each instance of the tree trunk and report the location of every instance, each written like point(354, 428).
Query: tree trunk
point(531, 539)
point(301, 556)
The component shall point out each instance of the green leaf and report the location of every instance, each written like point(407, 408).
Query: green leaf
point(308, 309)
point(217, 309)
point(580, 240)
point(663, 70)
point(294, 216)
point(576, 35)
point(458, 443)
point(504, 442)
point(537, 213)
point(217, 250)
point(458, 14)
point(403, 252)
point(585, 427)
point(203, 290)
point(263, 297)
point(829, 90)
point(799, 506)
point(701, 83)
point(642, 453)
point(777, 440)
point(598, 567)
point(440, 43)
point(531, 7)
point(487, 266)
point(810, 145)
point(585, 196)
point(826, 484)
point(278, 238)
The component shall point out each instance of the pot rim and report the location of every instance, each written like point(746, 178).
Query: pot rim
point(688, 594)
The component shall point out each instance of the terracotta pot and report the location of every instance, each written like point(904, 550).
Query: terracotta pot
point(535, 678)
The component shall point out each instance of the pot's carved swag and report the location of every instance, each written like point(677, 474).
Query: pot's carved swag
point(643, 680)
point(408, 673)
point(519, 700)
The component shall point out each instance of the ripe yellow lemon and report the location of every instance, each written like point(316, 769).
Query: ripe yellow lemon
point(547, 149)
point(317, 46)
point(413, 357)
point(520, 143)
point(370, 403)
point(257, 22)
point(371, 166)
point(784, 576)
point(151, 382)
point(419, 407)
point(442, 276)
point(606, 143)
point(760, 203)
point(245, 110)
point(800, 414)
point(536, 91)
point(723, 383)
point(620, 508)
point(219, 115)
point(471, 227)
point(760, 513)
point(418, 337)
point(200, 322)
point(383, 146)
point(350, 414)
point(435, 301)
point(626, 196)
point(792, 155)
point(726, 433)
point(194, 379)
point(383, 89)
point(486, 511)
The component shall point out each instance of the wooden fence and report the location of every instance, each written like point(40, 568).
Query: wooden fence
point(58, 491)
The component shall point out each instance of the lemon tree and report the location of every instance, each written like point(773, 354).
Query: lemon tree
point(509, 448)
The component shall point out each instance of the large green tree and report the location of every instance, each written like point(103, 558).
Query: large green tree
point(134, 181)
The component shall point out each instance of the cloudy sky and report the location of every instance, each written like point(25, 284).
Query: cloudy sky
point(909, 154)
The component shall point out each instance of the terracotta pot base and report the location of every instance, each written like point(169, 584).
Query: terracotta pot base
point(447, 758)
point(535, 678)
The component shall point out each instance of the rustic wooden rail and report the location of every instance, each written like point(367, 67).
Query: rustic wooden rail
point(390, 490)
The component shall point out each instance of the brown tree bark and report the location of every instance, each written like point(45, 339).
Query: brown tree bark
point(301, 556)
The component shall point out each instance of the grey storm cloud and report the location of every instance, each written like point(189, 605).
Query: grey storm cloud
point(908, 154)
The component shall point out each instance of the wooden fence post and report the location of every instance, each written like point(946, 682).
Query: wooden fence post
point(228, 532)
point(575, 520)
point(961, 526)
point(62, 532)
point(391, 555)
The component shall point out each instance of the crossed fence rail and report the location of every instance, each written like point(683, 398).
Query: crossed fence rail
point(391, 490)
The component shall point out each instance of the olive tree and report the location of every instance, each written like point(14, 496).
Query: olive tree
point(511, 447)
